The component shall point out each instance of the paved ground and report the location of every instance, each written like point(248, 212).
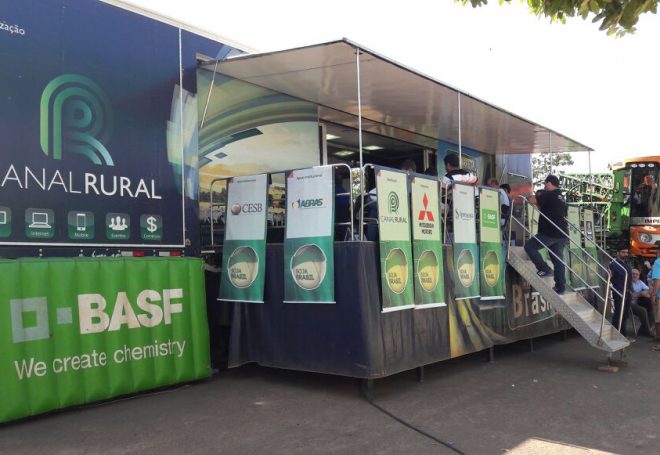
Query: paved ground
point(551, 400)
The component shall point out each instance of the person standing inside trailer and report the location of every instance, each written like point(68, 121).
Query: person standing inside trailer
point(552, 233)
point(455, 173)
point(621, 272)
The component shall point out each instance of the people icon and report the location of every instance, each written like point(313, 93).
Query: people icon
point(118, 223)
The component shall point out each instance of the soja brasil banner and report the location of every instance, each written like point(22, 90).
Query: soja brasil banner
point(308, 245)
point(244, 250)
point(466, 254)
point(427, 244)
point(395, 248)
point(576, 256)
point(492, 258)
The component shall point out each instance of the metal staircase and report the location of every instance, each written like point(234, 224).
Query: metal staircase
point(573, 306)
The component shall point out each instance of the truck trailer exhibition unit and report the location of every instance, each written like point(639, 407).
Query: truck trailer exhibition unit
point(119, 129)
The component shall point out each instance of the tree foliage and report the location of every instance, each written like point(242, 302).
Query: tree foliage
point(547, 163)
point(618, 17)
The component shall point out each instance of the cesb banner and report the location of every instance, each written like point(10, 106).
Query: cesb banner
point(427, 243)
point(308, 245)
point(244, 248)
point(74, 331)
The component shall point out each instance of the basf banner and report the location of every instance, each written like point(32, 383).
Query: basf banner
point(82, 330)
point(244, 248)
point(395, 248)
point(88, 93)
point(466, 252)
point(427, 244)
point(308, 245)
point(492, 258)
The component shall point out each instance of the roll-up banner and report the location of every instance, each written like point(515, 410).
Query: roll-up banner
point(308, 244)
point(395, 248)
point(492, 258)
point(74, 331)
point(427, 244)
point(466, 253)
point(590, 247)
point(576, 256)
point(244, 249)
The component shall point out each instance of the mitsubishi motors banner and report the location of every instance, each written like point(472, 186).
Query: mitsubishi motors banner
point(395, 248)
point(308, 245)
point(576, 256)
point(492, 258)
point(427, 244)
point(244, 249)
point(466, 254)
point(590, 247)
point(75, 331)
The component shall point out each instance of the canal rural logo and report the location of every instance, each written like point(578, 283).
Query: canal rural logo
point(75, 117)
point(396, 270)
point(465, 267)
point(393, 202)
point(243, 267)
point(308, 267)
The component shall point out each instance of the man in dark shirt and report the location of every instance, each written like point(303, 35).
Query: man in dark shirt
point(552, 233)
point(621, 273)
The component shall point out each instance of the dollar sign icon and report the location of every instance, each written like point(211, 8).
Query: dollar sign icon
point(152, 226)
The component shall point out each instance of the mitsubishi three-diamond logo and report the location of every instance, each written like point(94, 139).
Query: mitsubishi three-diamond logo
point(425, 213)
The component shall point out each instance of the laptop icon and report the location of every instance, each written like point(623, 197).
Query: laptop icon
point(39, 221)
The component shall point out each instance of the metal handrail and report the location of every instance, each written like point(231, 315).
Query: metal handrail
point(349, 193)
point(571, 241)
point(609, 273)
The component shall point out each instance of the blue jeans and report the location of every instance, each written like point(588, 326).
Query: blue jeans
point(556, 246)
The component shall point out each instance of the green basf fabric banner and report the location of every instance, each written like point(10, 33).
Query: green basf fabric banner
point(590, 248)
point(395, 248)
point(427, 244)
point(576, 255)
point(74, 331)
point(244, 250)
point(466, 254)
point(492, 258)
point(308, 245)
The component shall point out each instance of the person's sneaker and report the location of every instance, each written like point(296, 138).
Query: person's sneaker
point(543, 273)
point(558, 291)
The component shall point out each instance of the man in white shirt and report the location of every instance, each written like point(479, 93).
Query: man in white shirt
point(641, 303)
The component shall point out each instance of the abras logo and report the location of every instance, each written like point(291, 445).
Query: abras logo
point(307, 203)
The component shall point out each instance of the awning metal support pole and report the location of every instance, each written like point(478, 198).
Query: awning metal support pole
point(552, 153)
point(359, 100)
point(460, 134)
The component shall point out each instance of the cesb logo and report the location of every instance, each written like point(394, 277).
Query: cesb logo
point(30, 320)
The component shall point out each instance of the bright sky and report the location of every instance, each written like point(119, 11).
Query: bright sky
point(601, 91)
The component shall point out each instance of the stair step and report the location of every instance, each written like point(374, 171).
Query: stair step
point(571, 305)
